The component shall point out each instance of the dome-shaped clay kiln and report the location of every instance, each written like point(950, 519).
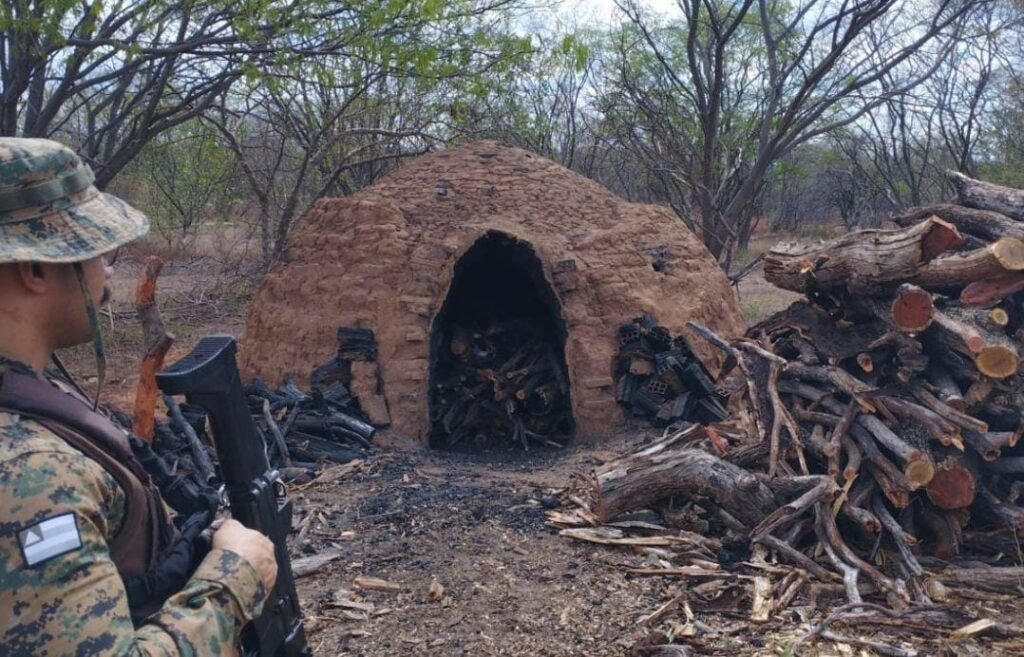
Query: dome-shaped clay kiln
point(473, 233)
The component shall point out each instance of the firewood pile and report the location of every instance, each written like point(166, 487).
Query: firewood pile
point(899, 378)
point(880, 435)
point(299, 431)
point(500, 385)
point(660, 378)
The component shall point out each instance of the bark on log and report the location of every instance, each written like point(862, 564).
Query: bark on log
point(981, 294)
point(986, 196)
point(989, 445)
point(639, 480)
point(1002, 257)
point(864, 261)
point(946, 389)
point(835, 341)
point(984, 223)
point(867, 429)
point(993, 354)
point(158, 342)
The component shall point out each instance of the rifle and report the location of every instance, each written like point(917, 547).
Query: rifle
point(208, 377)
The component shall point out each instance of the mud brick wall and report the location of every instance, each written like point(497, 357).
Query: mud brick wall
point(384, 259)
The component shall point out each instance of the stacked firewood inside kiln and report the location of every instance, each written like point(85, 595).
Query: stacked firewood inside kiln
point(500, 385)
point(661, 379)
point(900, 376)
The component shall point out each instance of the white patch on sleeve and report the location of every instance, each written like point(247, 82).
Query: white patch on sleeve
point(49, 538)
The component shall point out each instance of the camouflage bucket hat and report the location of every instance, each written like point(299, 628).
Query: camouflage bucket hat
point(51, 212)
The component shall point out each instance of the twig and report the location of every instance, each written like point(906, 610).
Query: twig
point(199, 455)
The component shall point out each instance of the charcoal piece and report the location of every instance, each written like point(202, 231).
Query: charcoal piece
point(356, 344)
point(335, 370)
point(693, 377)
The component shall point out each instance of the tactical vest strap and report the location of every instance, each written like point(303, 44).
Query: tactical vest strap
point(137, 544)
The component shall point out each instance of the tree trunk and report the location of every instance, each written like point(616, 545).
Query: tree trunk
point(982, 223)
point(865, 261)
point(997, 259)
point(639, 480)
point(986, 196)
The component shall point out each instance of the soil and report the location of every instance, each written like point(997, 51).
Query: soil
point(475, 525)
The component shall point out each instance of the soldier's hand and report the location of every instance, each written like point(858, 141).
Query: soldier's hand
point(251, 545)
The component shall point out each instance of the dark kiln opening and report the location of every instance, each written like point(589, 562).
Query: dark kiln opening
point(497, 353)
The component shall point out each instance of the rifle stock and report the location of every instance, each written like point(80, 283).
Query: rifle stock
point(208, 377)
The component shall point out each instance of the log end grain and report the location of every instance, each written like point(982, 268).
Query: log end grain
point(1009, 251)
point(952, 488)
point(980, 294)
point(920, 471)
point(997, 361)
point(912, 309)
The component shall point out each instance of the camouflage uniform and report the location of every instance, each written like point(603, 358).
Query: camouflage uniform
point(74, 603)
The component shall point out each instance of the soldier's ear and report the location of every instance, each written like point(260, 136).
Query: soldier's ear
point(33, 276)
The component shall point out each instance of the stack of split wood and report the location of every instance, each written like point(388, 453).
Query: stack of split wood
point(503, 385)
point(884, 411)
point(660, 378)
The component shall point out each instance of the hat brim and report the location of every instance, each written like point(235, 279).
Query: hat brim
point(91, 224)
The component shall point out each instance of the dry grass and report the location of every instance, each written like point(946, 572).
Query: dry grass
point(759, 298)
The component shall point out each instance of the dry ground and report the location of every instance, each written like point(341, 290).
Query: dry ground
point(471, 528)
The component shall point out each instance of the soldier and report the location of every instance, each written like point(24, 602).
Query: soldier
point(80, 518)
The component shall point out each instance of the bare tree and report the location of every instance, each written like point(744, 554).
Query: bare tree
point(110, 77)
point(713, 100)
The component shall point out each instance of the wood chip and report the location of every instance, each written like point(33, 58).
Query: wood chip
point(311, 564)
point(761, 610)
point(436, 591)
point(376, 584)
point(969, 630)
point(611, 536)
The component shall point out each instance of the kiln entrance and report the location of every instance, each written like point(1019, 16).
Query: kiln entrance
point(498, 375)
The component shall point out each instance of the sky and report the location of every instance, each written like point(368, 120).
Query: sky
point(602, 11)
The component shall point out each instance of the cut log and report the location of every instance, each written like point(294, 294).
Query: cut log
point(989, 445)
point(949, 272)
point(911, 309)
point(957, 417)
point(946, 389)
point(986, 196)
point(1007, 514)
point(662, 471)
point(865, 261)
point(985, 224)
point(994, 355)
point(982, 294)
point(1007, 465)
point(954, 483)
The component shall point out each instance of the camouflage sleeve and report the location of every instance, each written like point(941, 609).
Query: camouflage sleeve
point(61, 593)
